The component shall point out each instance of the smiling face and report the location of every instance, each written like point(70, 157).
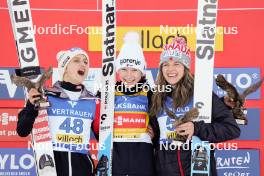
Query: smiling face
point(77, 70)
point(172, 71)
point(129, 76)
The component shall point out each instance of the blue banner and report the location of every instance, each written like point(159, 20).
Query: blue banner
point(241, 78)
point(8, 90)
point(17, 161)
point(251, 131)
point(237, 162)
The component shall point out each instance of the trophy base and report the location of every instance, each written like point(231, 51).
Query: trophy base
point(178, 143)
point(241, 122)
point(42, 105)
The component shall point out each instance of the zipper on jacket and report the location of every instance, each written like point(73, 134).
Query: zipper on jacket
point(70, 166)
point(179, 162)
point(91, 163)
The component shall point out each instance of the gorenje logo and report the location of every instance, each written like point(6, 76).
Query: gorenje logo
point(8, 90)
point(130, 61)
point(241, 78)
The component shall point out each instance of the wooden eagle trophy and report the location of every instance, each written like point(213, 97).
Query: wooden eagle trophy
point(187, 117)
point(42, 103)
point(239, 111)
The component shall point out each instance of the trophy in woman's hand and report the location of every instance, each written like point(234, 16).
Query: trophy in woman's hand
point(238, 100)
point(189, 116)
point(26, 82)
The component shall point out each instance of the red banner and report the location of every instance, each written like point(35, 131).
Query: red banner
point(8, 123)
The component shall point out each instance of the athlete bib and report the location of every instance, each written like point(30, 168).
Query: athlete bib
point(70, 123)
point(131, 118)
point(166, 123)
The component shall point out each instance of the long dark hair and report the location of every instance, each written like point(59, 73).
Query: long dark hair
point(181, 93)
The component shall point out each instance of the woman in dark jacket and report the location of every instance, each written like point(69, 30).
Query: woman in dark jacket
point(167, 107)
point(133, 153)
point(66, 96)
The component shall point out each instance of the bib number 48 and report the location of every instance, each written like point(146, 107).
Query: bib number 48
point(74, 125)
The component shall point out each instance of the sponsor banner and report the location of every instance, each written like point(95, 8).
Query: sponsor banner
point(128, 121)
point(41, 130)
point(153, 38)
point(241, 78)
point(251, 131)
point(8, 123)
point(237, 162)
point(8, 90)
point(17, 161)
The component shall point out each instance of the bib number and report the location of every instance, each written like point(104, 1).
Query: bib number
point(75, 125)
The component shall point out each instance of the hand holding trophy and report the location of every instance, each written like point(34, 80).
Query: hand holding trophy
point(35, 89)
point(187, 117)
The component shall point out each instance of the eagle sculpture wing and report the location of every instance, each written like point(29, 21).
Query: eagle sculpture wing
point(252, 88)
point(190, 115)
point(22, 81)
point(45, 76)
point(226, 86)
